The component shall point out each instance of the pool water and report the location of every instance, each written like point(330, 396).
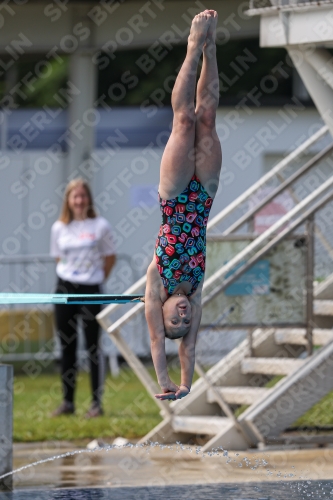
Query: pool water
point(297, 490)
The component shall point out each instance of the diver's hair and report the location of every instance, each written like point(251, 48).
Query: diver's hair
point(171, 337)
point(66, 215)
point(168, 336)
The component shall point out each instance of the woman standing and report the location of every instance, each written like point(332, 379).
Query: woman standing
point(82, 244)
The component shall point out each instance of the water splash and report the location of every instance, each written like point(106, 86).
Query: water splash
point(148, 446)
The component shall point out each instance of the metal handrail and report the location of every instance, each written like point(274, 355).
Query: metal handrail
point(279, 167)
point(26, 259)
point(269, 246)
point(103, 316)
point(285, 184)
point(269, 232)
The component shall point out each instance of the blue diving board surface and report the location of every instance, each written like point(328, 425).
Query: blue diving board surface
point(53, 298)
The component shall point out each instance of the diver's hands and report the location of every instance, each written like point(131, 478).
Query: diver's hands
point(173, 392)
point(166, 395)
point(169, 391)
point(182, 391)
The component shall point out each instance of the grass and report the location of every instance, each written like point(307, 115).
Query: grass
point(129, 410)
point(320, 415)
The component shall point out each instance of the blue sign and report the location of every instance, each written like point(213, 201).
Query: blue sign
point(255, 281)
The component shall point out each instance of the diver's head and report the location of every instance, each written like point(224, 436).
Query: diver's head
point(177, 314)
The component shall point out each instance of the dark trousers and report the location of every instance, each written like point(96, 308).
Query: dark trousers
point(66, 317)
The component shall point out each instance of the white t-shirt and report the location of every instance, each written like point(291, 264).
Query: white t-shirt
point(81, 246)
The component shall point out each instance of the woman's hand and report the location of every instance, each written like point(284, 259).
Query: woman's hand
point(166, 395)
point(169, 392)
point(182, 391)
point(109, 262)
point(173, 392)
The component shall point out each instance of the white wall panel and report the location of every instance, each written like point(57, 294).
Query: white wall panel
point(32, 183)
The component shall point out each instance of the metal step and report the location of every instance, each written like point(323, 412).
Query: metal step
point(323, 307)
point(237, 395)
point(270, 366)
point(293, 396)
point(297, 336)
point(199, 425)
point(324, 290)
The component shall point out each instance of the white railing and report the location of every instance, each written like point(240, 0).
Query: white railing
point(38, 271)
point(105, 316)
point(213, 283)
point(257, 7)
point(247, 253)
point(302, 213)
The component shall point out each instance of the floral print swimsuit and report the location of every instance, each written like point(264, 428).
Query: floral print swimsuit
point(180, 249)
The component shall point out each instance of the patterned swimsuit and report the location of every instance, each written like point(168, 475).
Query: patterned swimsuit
point(180, 249)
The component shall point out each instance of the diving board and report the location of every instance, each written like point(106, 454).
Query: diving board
point(58, 298)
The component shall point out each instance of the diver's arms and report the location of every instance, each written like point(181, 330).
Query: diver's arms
point(154, 317)
point(187, 345)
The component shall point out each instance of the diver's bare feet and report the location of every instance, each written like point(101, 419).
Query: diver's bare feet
point(211, 32)
point(199, 28)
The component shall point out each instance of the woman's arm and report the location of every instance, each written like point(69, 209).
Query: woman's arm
point(109, 262)
point(187, 346)
point(154, 317)
point(106, 246)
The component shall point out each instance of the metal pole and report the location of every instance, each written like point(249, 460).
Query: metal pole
point(3, 132)
point(6, 426)
point(309, 283)
point(250, 225)
point(250, 342)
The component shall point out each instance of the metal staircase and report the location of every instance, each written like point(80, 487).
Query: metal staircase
point(275, 372)
point(242, 380)
point(242, 376)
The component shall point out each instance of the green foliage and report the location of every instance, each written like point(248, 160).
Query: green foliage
point(320, 415)
point(129, 411)
point(274, 380)
point(134, 77)
point(49, 80)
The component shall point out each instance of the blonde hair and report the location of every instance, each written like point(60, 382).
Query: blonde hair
point(66, 215)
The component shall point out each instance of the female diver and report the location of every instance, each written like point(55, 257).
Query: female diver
point(189, 177)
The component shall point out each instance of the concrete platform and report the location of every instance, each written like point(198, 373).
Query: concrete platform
point(155, 466)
